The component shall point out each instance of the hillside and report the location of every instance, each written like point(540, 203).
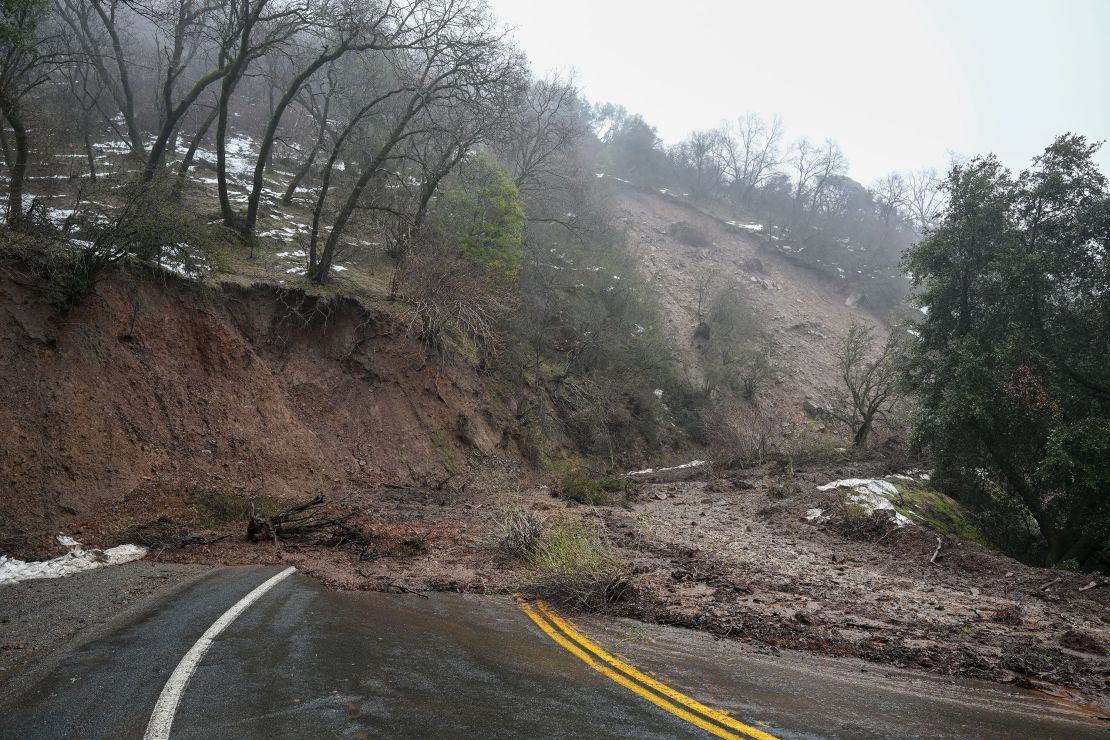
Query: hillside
point(158, 393)
point(804, 314)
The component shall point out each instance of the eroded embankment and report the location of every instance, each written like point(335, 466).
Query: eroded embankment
point(154, 391)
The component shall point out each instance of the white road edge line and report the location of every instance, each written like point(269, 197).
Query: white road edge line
point(161, 720)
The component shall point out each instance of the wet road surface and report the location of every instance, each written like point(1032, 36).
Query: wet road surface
point(305, 662)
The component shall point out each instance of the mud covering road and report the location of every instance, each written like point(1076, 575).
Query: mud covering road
point(303, 661)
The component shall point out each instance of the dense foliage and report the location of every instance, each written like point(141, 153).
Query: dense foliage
point(1011, 368)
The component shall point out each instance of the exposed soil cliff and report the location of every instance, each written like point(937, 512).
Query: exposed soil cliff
point(150, 392)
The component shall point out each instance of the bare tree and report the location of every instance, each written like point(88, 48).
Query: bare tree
point(699, 153)
point(353, 27)
point(180, 27)
point(461, 53)
point(868, 382)
point(925, 200)
point(317, 104)
point(276, 24)
point(891, 195)
point(750, 153)
point(540, 129)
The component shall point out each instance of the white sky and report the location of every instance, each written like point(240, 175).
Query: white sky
point(899, 83)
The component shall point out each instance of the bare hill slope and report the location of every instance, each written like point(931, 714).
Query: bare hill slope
point(805, 314)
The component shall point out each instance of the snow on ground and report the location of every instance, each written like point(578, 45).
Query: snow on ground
point(239, 155)
point(749, 227)
point(684, 466)
point(76, 559)
point(872, 494)
point(814, 514)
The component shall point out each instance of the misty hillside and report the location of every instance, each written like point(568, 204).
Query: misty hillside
point(357, 288)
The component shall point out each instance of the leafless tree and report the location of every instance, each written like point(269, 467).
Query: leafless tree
point(249, 30)
point(99, 28)
point(699, 152)
point(925, 201)
point(539, 131)
point(750, 153)
point(461, 53)
point(891, 195)
point(868, 382)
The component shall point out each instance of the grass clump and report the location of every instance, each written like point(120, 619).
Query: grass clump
point(574, 564)
point(595, 491)
point(520, 531)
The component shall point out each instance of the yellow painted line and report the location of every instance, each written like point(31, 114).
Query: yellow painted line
point(662, 688)
point(680, 705)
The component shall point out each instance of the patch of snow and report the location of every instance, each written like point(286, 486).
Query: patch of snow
point(814, 514)
point(658, 392)
point(684, 466)
point(875, 485)
point(871, 494)
point(76, 559)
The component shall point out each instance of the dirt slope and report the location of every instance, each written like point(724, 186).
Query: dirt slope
point(804, 313)
point(149, 394)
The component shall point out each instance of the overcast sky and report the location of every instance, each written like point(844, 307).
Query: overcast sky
point(899, 83)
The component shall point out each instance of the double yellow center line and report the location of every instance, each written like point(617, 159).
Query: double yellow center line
point(691, 710)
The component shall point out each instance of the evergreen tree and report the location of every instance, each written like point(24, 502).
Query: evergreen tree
point(1012, 366)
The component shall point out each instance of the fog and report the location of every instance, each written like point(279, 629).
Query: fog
point(900, 85)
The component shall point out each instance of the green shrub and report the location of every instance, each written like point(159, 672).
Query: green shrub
point(594, 491)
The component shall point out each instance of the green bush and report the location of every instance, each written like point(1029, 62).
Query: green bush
point(485, 214)
point(594, 491)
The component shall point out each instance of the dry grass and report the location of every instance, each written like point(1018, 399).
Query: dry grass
point(520, 531)
point(574, 564)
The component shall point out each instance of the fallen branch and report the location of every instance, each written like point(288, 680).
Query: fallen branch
point(1092, 584)
point(937, 551)
point(1051, 583)
point(305, 521)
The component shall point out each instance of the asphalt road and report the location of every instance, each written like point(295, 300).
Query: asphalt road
point(304, 662)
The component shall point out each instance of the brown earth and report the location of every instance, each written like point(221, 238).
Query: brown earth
point(805, 315)
point(148, 396)
point(736, 557)
point(733, 557)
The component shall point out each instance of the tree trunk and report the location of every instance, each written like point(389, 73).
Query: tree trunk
point(319, 273)
point(231, 219)
point(267, 143)
point(128, 106)
point(194, 144)
point(862, 434)
point(5, 145)
point(173, 115)
point(89, 154)
point(18, 171)
point(302, 171)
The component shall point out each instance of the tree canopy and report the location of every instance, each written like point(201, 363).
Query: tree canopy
point(1011, 364)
